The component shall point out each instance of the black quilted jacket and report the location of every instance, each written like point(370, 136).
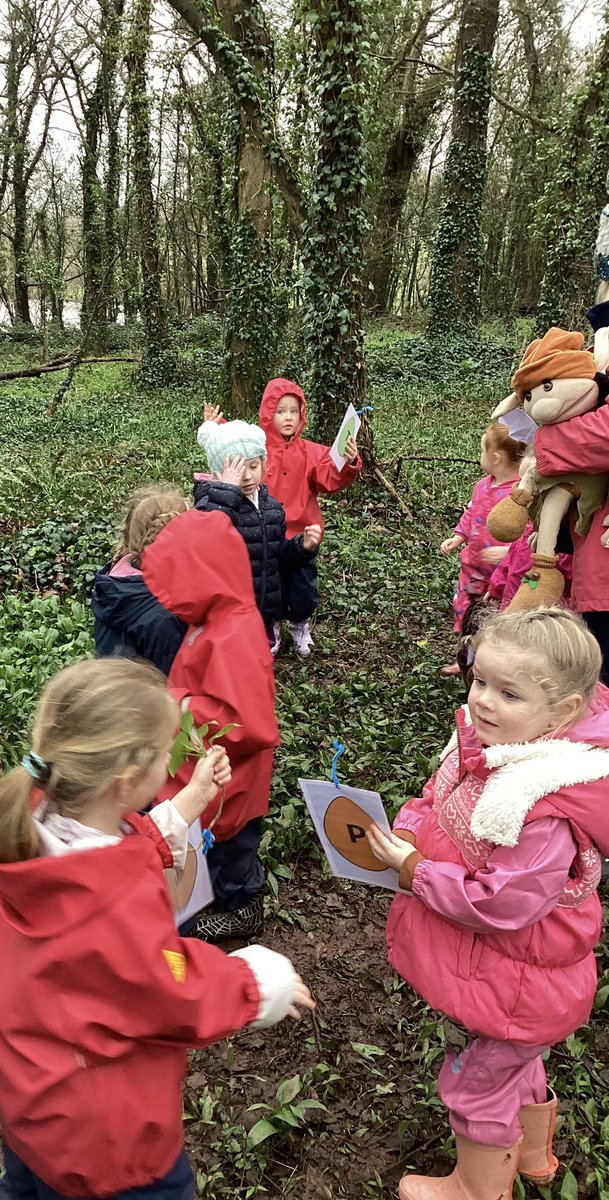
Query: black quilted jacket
point(263, 530)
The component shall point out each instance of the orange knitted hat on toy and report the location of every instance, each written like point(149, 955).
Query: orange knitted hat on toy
point(557, 355)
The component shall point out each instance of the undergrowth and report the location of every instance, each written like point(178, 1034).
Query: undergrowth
point(382, 632)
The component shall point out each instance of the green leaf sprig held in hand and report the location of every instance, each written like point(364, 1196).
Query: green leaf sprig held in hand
point(190, 741)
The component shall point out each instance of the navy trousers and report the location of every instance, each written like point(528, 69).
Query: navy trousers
point(237, 875)
point(300, 594)
point(23, 1184)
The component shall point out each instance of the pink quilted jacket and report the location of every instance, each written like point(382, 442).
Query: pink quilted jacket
point(533, 984)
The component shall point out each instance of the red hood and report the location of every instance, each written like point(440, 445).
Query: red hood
point(199, 565)
point(47, 896)
point(274, 391)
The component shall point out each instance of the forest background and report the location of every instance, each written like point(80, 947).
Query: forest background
point(385, 200)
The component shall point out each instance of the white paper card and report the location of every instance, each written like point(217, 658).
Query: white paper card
point(341, 817)
point(349, 428)
point(194, 890)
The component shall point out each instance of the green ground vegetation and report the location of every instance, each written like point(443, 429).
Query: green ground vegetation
point(382, 632)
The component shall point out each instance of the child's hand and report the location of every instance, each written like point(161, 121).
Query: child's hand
point(388, 848)
point(312, 537)
point(451, 543)
point(302, 998)
point(493, 555)
point(211, 773)
point(211, 412)
point(233, 470)
point(351, 451)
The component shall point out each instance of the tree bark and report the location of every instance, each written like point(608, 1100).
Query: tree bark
point(457, 259)
point(152, 305)
point(334, 249)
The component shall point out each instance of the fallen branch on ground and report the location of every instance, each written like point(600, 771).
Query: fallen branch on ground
point(36, 372)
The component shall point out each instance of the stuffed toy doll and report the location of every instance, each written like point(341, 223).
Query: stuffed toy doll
point(557, 379)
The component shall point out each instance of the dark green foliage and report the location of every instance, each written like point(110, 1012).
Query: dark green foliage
point(334, 233)
point(457, 258)
point(569, 209)
point(356, 1097)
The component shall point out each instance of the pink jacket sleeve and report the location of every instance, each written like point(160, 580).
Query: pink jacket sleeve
point(412, 813)
point(518, 887)
point(498, 579)
point(581, 444)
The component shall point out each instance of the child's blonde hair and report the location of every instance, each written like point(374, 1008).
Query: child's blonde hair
point(95, 719)
point(570, 654)
point(498, 437)
point(150, 510)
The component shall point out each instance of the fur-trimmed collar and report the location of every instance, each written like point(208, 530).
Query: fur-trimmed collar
point(525, 773)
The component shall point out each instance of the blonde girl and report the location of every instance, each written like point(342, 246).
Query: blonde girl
point(128, 619)
point(100, 998)
point(480, 553)
point(498, 914)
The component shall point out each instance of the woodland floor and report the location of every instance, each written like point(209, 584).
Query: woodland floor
point(340, 1107)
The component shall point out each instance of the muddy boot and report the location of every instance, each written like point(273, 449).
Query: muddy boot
point(537, 1161)
point(482, 1173)
point(508, 520)
point(543, 584)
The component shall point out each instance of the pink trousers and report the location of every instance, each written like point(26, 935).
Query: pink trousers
point(485, 1086)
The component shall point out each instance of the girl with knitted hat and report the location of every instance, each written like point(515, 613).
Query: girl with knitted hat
point(129, 621)
point(236, 454)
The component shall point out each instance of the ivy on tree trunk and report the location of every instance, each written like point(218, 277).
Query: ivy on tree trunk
point(334, 234)
point(457, 259)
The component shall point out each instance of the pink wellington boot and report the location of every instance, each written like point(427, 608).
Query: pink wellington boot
point(482, 1173)
point(537, 1161)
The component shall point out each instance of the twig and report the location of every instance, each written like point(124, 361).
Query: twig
point(437, 458)
point(316, 1030)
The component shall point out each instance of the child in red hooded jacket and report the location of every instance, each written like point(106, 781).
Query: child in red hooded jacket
point(198, 568)
point(297, 471)
point(100, 999)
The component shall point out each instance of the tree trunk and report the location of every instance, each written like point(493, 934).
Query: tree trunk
point(334, 247)
point(152, 306)
point(92, 313)
point(112, 12)
point(457, 258)
point(22, 303)
point(570, 206)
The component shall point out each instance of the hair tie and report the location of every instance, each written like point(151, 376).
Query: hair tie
point(36, 766)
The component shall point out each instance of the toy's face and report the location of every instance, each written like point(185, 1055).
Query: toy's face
point(557, 400)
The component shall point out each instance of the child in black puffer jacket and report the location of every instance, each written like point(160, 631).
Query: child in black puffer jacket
point(236, 453)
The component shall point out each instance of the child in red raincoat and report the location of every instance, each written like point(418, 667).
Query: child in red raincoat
point(198, 567)
point(297, 472)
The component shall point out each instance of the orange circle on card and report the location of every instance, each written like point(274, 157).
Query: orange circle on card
point(345, 824)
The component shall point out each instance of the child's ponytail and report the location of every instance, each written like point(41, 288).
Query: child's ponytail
point(18, 835)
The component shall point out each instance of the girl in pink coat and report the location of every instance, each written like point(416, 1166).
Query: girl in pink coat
point(497, 916)
point(499, 459)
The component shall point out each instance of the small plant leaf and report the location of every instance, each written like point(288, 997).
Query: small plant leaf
point(288, 1089)
point(262, 1130)
point(569, 1189)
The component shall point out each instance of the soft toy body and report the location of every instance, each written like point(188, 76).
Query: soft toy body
point(556, 380)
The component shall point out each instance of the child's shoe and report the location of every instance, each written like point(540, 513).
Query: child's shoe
point(301, 637)
point(537, 1160)
point(242, 922)
point(275, 638)
point(482, 1173)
